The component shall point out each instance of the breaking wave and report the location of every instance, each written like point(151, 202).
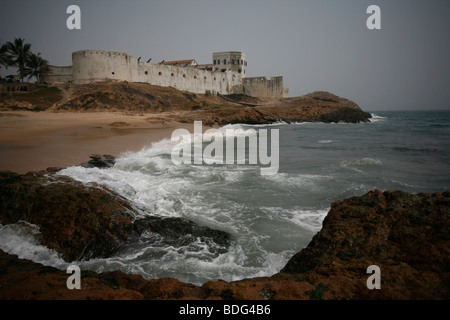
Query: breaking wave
point(269, 218)
point(22, 239)
point(376, 118)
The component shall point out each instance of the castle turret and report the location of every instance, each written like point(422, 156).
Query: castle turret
point(230, 60)
point(101, 65)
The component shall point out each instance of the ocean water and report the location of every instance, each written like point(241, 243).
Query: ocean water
point(269, 217)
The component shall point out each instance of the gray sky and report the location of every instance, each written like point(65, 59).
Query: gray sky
point(314, 44)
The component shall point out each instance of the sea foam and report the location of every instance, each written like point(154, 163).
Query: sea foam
point(22, 239)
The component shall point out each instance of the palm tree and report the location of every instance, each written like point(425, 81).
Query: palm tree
point(35, 66)
point(19, 51)
point(5, 58)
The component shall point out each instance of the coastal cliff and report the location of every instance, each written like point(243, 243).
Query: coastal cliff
point(170, 104)
point(405, 235)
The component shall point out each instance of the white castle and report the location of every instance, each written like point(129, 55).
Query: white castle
point(226, 75)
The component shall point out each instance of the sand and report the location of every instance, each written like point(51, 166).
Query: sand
point(33, 141)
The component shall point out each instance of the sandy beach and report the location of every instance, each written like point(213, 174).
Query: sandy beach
point(32, 141)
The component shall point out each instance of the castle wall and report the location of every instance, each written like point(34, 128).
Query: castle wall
point(104, 65)
point(100, 65)
point(261, 87)
point(186, 78)
point(58, 74)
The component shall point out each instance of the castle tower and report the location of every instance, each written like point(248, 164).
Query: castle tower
point(101, 65)
point(230, 60)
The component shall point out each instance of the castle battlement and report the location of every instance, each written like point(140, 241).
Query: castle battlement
point(226, 75)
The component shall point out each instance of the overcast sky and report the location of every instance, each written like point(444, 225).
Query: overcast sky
point(314, 44)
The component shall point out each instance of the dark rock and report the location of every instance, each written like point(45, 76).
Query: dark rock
point(24, 280)
point(118, 279)
point(169, 288)
point(406, 235)
point(53, 170)
point(87, 165)
point(99, 161)
point(316, 106)
point(324, 96)
point(178, 227)
point(78, 221)
point(84, 222)
point(345, 115)
point(390, 225)
point(109, 158)
point(313, 107)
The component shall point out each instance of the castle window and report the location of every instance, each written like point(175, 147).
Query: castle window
point(204, 77)
point(242, 62)
point(218, 61)
point(245, 62)
point(171, 74)
point(232, 61)
point(107, 54)
point(239, 70)
point(214, 78)
point(224, 61)
point(214, 61)
point(184, 76)
point(195, 77)
point(113, 73)
point(159, 73)
point(146, 72)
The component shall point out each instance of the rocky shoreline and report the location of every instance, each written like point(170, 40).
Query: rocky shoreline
point(319, 106)
point(406, 235)
point(170, 104)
